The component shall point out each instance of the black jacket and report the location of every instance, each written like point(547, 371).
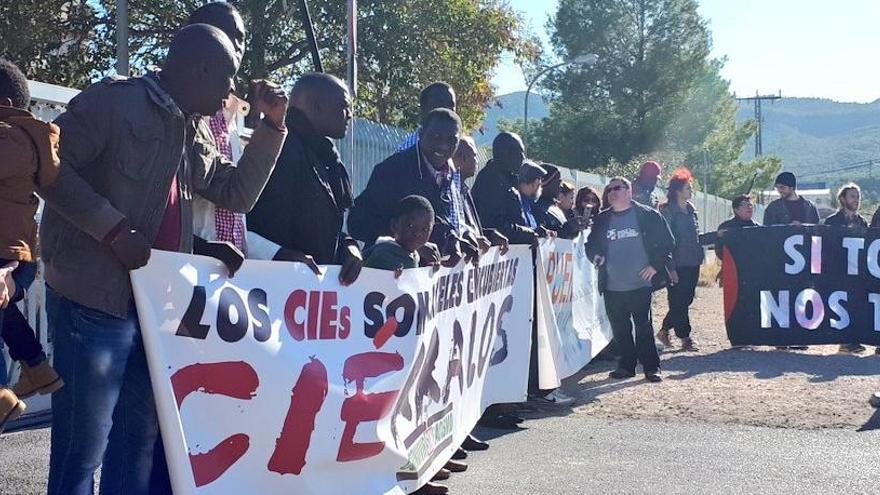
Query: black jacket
point(303, 205)
point(546, 218)
point(730, 224)
point(498, 203)
point(838, 219)
point(400, 175)
point(777, 214)
point(656, 236)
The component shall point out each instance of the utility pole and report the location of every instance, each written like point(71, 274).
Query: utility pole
point(759, 118)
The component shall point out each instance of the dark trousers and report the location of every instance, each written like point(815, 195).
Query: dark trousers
point(14, 328)
point(680, 297)
point(627, 310)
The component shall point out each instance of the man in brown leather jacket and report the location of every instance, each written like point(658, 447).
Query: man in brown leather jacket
point(131, 162)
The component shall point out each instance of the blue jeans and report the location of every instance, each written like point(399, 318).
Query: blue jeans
point(105, 414)
point(14, 328)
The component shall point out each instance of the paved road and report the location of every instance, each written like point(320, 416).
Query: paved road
point(579, 454)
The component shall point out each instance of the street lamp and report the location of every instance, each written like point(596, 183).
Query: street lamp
point(585, 60)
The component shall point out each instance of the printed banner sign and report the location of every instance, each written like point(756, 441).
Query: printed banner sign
point(279, 381)
point(572, 325)
point(801, 285)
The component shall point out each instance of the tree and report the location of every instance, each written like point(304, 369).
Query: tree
point(53, 40)
point(404, 46)
point(651, 53)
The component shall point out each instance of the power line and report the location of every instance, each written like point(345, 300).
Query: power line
point(759, 118)
point(845, 168)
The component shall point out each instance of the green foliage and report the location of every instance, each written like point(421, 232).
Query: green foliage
point(53, 40)
point(404, 46)
point(651, 55)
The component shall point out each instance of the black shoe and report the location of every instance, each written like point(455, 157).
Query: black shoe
point(653, 377)
point(456, 467)
point(432, 489)
point(621, 373)
point(473, 444)
point(460, 455)
point(442, 475)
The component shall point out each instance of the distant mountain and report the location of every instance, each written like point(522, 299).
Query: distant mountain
point(510, 107)
point(814, 135)
point(811, 135)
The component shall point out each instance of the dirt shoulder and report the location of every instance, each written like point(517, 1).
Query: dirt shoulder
point(812, 389)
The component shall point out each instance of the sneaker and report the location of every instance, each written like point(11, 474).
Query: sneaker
point(621, 373)
point(687, 345)
point(663, 338)
point(11, 407)
point(40, 379)
point(557, 397)
point(875, 399)
point(653, 377)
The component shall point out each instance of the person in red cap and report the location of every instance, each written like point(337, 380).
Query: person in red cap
point(644, 185)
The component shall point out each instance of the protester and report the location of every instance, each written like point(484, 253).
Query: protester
point(687, 257)
point(790, 208)
point(424, 169)
point(213, 223)
point(128, 165)
point(646, 183)
point(743, 210)
point(565, 201)
point(529, 182)
point(28, 159)
point(546, 209)
point(587, 205)
point(303, 206)
point(849, 199)
point(411, 227)
point(875, 219)
point(632, 246)
point(435, 95)
point(465, 159)
point(495, 191)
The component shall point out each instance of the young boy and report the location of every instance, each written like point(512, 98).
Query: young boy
point(411, 227)
point(28, 158)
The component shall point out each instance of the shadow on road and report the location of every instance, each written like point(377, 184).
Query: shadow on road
point(772, 364)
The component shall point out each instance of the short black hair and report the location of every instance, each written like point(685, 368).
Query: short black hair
point(210, 12)
point(442, 114)
point(739, 200)
point(413, 203)
point(430, 90)
point(14, 85)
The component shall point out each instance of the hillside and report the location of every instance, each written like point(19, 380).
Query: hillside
point(812, 135)
point(510, 107)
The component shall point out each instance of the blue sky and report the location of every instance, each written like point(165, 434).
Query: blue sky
point(818, 48)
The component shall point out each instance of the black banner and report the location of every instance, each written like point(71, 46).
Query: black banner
point(799, 285)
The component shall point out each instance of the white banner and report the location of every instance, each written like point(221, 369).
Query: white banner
point(572, 325)
point(278, 381)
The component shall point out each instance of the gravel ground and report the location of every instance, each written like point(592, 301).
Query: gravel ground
point(758, 386)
